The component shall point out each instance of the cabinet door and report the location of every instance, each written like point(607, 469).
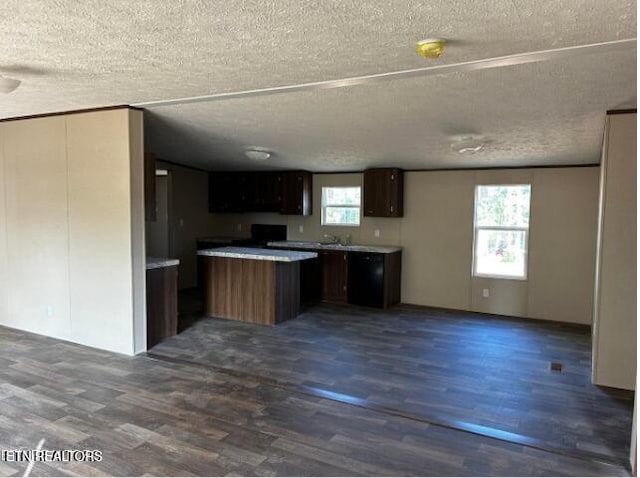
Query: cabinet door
point(271, 192)
point(333, 266)
point(218, 192)
point(375, 192)
point(237, 191)
point(395, 195)
point(296, 193)
point(383, 192)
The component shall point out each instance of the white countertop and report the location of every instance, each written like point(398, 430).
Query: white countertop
point(159, 262)
point(335, 247)
point(258, 254)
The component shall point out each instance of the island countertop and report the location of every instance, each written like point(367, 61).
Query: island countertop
point(258, 254)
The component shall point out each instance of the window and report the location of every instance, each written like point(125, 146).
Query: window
point(501, 231)
point(341, 206)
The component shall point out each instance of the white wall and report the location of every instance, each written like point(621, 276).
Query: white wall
point(37, 240)
point(614, 331)
point(436, 233)
point(66, 226)
point(4, 273)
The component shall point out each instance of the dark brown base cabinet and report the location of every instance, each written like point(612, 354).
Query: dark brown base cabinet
point(333, 269)
point(330, 277)
point(162, 304)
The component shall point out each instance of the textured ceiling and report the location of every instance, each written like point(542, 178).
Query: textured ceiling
point(77, 54)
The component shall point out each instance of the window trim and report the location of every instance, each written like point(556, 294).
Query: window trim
point(476, 228)
point(323, 207)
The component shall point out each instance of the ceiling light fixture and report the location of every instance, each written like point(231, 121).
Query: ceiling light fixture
point(257, 154)
point(467, 143)
point(431, 48)
point(7, 85)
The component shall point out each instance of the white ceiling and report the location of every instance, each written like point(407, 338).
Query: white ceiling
point(92, 53)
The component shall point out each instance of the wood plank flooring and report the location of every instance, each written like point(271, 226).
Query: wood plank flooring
point(442, 365)
point(161, 418)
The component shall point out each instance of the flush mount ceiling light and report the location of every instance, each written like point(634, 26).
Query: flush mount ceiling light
point(431, 48)
point(257, 154)
point(7, 85)
point(464, 144)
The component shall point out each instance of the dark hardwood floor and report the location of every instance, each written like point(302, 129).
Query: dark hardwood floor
point(442, 366)
point(160, 418)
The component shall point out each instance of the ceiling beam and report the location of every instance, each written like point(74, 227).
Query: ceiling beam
point(466, 66)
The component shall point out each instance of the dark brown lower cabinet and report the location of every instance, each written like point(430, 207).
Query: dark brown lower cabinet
point(340, 277)
point(333, 269)
point(162, 304)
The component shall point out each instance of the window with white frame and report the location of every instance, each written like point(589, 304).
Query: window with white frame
point(341, 206)
point(501, 231)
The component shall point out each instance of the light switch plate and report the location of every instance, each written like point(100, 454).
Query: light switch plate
point(300, 228)
point(485, 293)
point(376, 232)
point(240, 227)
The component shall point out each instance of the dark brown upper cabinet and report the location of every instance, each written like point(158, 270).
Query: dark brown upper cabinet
point(296, 193)
point(265, 192)
point(150, 213)
point(383, 192)
point(228, 192)
point(287, 192)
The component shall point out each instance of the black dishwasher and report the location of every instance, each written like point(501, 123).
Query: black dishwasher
point(365, 279)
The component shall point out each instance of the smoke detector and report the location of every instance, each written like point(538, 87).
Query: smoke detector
point(7, 85)
point(431, 48)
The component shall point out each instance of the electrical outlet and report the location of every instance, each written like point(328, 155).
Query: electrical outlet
point(181, 222)
point(240, 227)
point(485, 293)
point(376, 232)
point(49, 311)
point(300, 228)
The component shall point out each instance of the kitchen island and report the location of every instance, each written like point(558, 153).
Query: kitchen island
point(261, 286)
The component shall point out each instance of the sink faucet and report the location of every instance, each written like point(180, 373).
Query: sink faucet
point(332, 238)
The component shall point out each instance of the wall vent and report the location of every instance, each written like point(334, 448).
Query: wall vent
point(555, 367)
